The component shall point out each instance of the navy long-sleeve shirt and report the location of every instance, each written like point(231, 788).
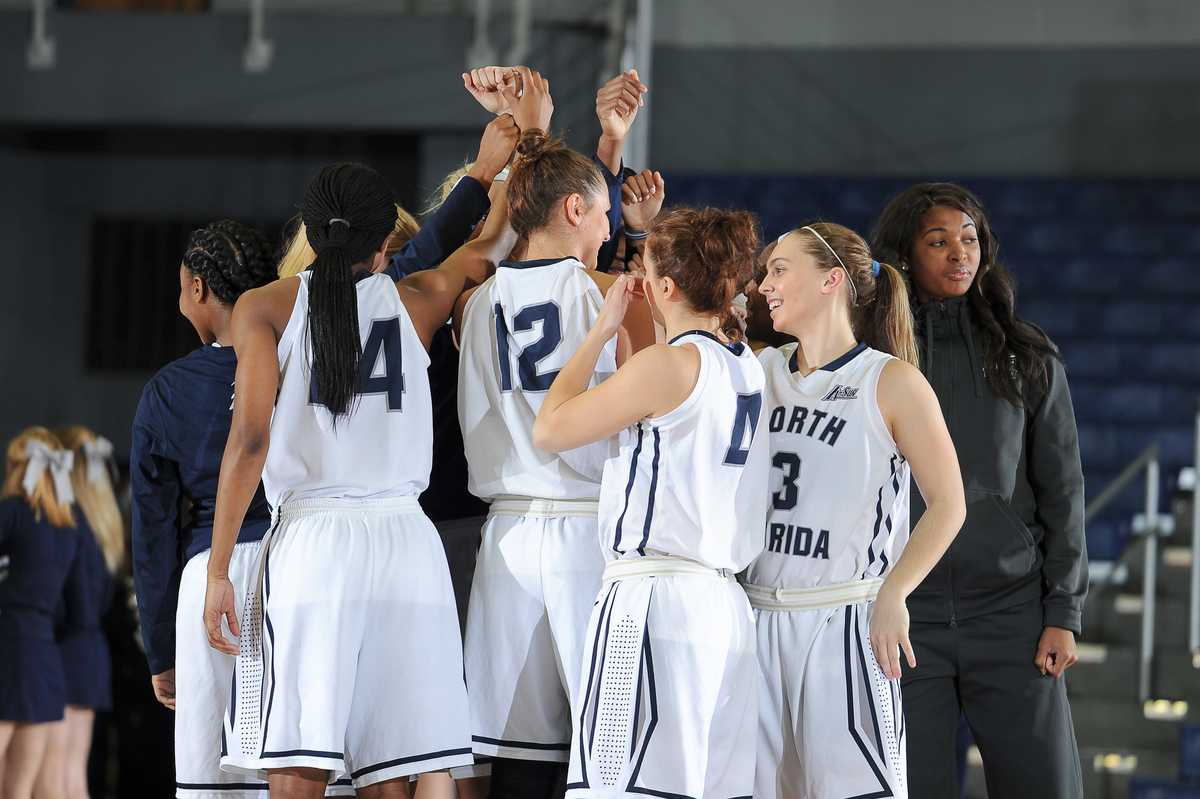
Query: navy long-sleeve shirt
point(608, 249)
point(179, 435)
point(444, 231)
point(43, 569)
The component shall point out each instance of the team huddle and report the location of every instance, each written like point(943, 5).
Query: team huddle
point(692, 577)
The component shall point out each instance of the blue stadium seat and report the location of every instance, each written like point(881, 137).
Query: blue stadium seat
point(1106, 539)
point(1171, 277)
point(1090, 359)
point(1189, 752)
point(1147, 788)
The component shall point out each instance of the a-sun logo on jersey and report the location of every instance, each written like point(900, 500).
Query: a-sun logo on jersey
point(841, 393)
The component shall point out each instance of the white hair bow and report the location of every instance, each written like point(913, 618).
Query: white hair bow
point(97, 453)
point(58, 461)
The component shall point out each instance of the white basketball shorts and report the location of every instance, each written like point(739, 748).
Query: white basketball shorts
point(353, 661)
point(830, 723)
point(670, 690)
point(203, 677)
point(536, 577)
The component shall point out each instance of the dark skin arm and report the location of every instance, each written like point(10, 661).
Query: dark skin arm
point(258, 320)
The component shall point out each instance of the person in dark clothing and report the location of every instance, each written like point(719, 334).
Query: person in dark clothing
point(178, 438)
point(994, 623)
point(40, 567)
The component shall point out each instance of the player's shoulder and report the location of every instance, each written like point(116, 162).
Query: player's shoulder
point(271, 303)
point(774, 357)
point(902, 387)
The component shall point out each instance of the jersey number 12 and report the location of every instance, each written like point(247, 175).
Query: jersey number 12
point(527, 360)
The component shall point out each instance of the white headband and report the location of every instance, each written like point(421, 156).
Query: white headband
point(97, 453)
point(849, 279)
point(58, 461)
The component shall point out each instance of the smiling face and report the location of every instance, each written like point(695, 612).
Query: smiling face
point(945, 255)
point(794, 286)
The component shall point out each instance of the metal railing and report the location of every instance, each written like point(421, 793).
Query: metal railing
point(1194, 593)
point(1148, 462)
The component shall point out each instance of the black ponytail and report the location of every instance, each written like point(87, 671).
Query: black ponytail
point(348, 211)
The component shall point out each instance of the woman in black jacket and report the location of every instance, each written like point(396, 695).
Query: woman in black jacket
point(994, 623)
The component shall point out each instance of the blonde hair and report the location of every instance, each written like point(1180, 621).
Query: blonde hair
point(446, 186)
point(95, 495)
point(43, 499)
point(299, 255)
point(879, 306)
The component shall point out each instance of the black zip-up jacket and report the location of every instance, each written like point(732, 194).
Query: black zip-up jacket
point(1023, 538)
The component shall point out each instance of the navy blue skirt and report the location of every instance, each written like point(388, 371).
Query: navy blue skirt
point(32, 687)
point(87, 667)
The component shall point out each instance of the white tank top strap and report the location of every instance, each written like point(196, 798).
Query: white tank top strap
point(765, 597)
point(543, 508)
point(661, 566)
point(296, 324)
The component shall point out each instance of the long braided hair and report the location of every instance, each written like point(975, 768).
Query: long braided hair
point(1016, 351)
point(230, 258)
point(348, 211)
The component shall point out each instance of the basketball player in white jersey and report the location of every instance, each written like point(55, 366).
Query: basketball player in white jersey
point(848, 414)
point(538, 567)
point(332, 408)
point(669, 680)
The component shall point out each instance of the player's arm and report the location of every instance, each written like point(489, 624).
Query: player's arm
point(637, 328)
point(912, 413)
point(430, 297)
point(450, 226)
point(651, 383)
point(617, 104)
point(155, 495)
point(255, 388)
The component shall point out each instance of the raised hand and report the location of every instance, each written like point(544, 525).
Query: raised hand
point(495, 148)
point(484, 85)
point(528, 96)
point(642, 198)
point(617, 104)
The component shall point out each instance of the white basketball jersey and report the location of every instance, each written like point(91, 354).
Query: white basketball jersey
point(519, 328)
point(384, 446)
point(692, 483)
point(839, 485)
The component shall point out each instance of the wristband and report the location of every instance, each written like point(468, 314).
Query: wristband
point(636, 235)
point(501, 176)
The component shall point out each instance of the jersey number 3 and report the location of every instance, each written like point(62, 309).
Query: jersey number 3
point(749, 406)
point(527, 361)
point(380, 367)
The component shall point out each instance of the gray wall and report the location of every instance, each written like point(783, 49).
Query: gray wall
point(1030, 111)
point(841, 100)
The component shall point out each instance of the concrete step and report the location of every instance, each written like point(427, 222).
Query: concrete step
point(1111, 672)
point(1106, 723)
point(1148, 764)
point(1120, 622)
point(1174, 577)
